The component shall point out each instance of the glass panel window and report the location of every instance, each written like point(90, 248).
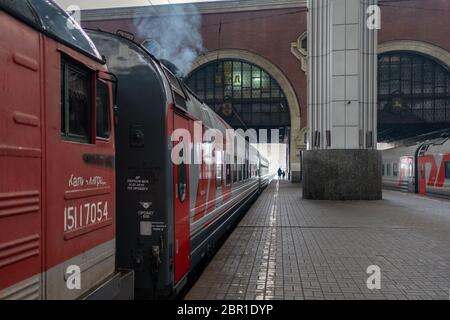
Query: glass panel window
point(241, 83)
point(447, 170)
point(384, 87)
point(235, 170)
point(182, 177)
point(102, 110)
point(418, 84)
point(76, 103)
point(57, 22)
point(219, 169)
point(395, 169)
point(21, 9)
point(228, 174)
point(228, 73)
point(246, 75)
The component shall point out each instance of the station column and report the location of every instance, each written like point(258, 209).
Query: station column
point(342, 161)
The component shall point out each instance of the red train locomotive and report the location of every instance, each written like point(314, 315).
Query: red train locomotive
point(95, 208)
point(169, 216)
point(57, 180)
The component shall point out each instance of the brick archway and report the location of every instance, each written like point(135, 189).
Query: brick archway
point(277, 74)
point(426, 48)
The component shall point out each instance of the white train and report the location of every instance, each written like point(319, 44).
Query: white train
point(422, 168)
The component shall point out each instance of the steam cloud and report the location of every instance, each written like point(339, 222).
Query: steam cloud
point(175, 37)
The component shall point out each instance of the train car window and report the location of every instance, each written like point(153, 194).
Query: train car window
point(102, 110)
point(76, 103)
point(58, 23)
point(228, 174)
point(235, 170)
point(219, 175)
point(410, 170)
point(388, 169)
point(247, 169)
point(219, 169)
point(179, 94)
point(21, 9)
point(447, 170)
point(173, 80)
point(383, 169)
point(182, 178)
point(395, 169)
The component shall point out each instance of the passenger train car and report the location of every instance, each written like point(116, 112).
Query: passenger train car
point(422, 168)
point(171, 213)
point(57, 177)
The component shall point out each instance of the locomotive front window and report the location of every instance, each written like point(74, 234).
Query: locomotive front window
point(21, 9)
point(76, 105)
point(447, 170)
point(102, 110)
point(57, 23)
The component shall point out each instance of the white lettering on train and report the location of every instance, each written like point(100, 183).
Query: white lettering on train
point(84, 215)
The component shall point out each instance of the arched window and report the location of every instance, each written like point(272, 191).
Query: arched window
point(242, 93)
point(415, 86)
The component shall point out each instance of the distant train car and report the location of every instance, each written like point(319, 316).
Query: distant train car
point(170, 214)
point(57, 179)
point(398, 168)
point(422, 168)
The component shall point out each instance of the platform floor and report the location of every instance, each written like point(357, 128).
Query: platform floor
point(290, 248)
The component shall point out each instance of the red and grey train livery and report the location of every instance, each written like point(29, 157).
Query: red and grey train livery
point(422, 168)
point(89, 200)
point(57, 177)
point(169, 216)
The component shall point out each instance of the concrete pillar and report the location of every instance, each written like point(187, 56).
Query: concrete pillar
point(341, 161)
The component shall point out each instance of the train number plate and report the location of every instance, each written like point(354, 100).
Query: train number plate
point(84, 215)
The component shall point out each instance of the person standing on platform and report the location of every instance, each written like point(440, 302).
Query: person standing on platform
point(280, 172)
point(284, 175)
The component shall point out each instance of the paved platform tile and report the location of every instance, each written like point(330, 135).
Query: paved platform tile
point(290, 248)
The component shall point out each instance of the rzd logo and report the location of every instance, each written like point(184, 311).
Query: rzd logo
point(73, 274)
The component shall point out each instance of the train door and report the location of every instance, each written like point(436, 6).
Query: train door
point(181, 203)
point(422, 179)
point(427, 172)
point(421, 182)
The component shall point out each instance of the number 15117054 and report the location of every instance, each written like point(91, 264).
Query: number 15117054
point(84, 215)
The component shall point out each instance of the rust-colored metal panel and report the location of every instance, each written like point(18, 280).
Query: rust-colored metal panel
point(20, 153)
